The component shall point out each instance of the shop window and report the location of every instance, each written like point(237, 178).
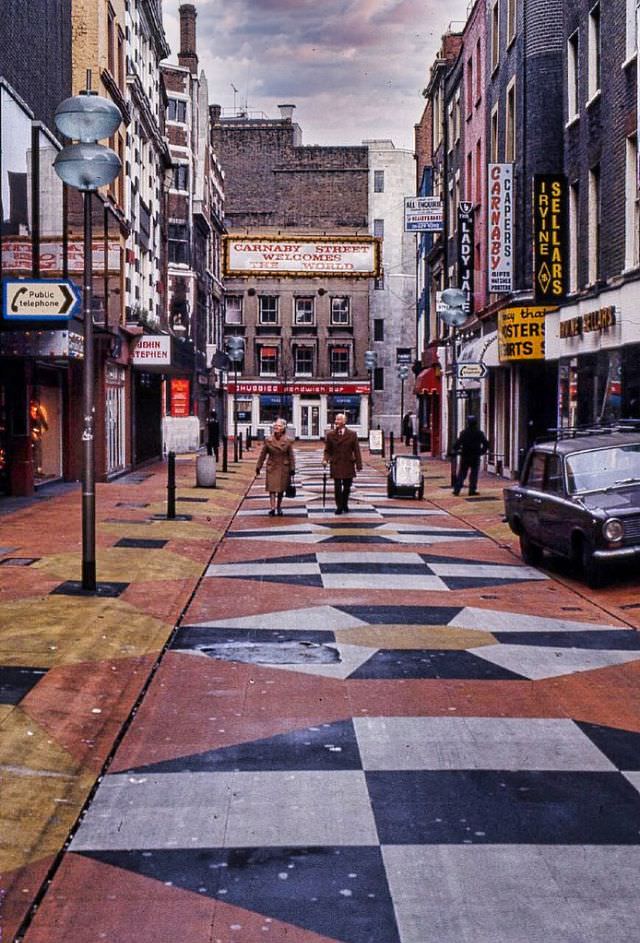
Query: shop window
point(181, 177)
point(233, 309)
point(339, 361)
point(304, 313)
point(243, 405)
point(268, 309)
point(268, 361)
point(340, 311)
point(378, 329)
point(304, 361)
point(347, 404)
point(275, 406)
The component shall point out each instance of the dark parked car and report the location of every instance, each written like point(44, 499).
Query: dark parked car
point(579, 496)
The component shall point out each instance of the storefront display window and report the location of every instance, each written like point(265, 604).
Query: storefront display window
point(349, 405)
point(274, 406)
point(45, 413)
point(243, 409)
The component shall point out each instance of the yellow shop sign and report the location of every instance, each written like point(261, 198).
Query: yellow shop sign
point(521, 333)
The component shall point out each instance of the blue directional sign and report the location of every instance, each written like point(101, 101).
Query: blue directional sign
point(39, 299)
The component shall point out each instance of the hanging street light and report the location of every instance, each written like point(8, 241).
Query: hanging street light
point(88, 118)
point(235, 352)
point(370, 361)
point(453, 313)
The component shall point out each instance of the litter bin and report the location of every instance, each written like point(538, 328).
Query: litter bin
point(206, 471)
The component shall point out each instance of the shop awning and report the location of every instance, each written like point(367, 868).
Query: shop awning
point(429, 381)
point(481, 350)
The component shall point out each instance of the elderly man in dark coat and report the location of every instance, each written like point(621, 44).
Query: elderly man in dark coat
point(342, 454)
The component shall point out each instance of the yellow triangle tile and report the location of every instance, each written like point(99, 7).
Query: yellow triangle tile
point(27, 750)
point(125, 564)
point(414, 637)
point(164, 530)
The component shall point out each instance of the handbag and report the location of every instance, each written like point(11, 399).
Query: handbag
point(290, 490)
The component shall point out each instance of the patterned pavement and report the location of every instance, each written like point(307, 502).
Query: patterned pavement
point(402, 735)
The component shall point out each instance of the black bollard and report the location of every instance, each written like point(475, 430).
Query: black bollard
point(415, 444)
point(171, 485)
point(235, 448)
point(382, 453)
point(391, 444)
point(248, 439)
point(225, 454)
point(240, 446)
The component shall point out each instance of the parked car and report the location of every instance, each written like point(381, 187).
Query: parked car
point(579, 497)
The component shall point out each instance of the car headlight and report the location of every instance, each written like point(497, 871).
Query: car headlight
point(613, 529)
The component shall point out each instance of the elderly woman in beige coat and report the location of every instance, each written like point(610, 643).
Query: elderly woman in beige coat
point(278, 453)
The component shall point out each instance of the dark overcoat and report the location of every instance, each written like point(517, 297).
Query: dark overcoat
point(342, 452)
point(281, 462)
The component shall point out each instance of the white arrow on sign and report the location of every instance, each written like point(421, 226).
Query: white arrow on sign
point(471, 371)
point(39, 299)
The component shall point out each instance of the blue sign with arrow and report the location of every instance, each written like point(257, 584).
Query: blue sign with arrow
point(39, 299)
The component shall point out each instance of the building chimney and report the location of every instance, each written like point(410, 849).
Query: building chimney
point(286, 112)
point(187, 55)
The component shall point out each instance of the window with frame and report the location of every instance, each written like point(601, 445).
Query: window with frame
point(303, 361)
point(181, 177)
point(594, 51)
point(304, 311)
point(495, 35)
point(268, 309)
point(378, 181)
point(494, 135)
point(573, 51)
point(632, 205)
point(378, 379)
point(341, 311)
point(268, 361)
point(631, 34)
point(177, 110)
point(479, 85)
point(594, 224)
point(469, 89)
point(111, 41)
point(511, 20)
point(378, 329)
point(534, 477)
point(233, 309)
point(339, 361)
point(378, 228)
point(179, 243)
point(510, 130)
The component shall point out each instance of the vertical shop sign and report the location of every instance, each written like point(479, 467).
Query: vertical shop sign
point(466, 252)
point(500, 228)
point(180, 390)
point(550, 238)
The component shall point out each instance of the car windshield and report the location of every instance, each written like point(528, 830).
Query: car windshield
point(600, 469)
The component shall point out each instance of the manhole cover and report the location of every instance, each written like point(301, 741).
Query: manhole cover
point(273, 653)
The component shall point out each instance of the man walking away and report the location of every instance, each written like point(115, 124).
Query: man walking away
point(342, 454)
point(213, 434)
point(470, 445)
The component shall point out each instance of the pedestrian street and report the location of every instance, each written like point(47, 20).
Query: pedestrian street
point(373, 728)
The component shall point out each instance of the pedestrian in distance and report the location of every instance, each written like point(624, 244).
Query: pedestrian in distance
point(407, 427)
point(277, 451)
point(342, 455)
point(470, 445)
point(213, 434)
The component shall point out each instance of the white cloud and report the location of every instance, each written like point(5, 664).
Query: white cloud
point(354, 68)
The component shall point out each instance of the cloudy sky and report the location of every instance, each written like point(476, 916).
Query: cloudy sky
point(354, 69)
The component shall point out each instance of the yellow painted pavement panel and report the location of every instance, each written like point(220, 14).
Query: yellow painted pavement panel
point(43, 809)
point(55, 630)
point(26, 748)
point(126, 564)
point(164, 530)
point(414, 637)
point(5, 711)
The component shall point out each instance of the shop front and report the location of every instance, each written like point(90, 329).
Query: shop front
point(309, 408)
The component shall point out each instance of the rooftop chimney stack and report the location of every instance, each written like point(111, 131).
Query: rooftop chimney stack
point(187, 56)
point(286, 112)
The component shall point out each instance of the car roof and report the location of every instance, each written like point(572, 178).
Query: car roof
point(585, 443)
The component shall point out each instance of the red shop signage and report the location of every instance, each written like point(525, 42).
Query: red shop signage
point(180, 398)
point(299, 389)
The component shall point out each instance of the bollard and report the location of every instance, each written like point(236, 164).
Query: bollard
point(225, 454)
point(235, 448)
point(240, 446)
point(415, 444)
point(391, 444)
point(383, 446)
point(248, 439)
point(171, 485)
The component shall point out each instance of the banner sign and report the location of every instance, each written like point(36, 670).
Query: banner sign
point(466, 252)
point(301, 389)
point(521, 334)
point(550, 238)
point(180, 398)
point(152, 350)
point(262, 255)
point(423, 214)
point(500, 228)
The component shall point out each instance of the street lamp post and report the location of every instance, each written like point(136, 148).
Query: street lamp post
point(454, 314)
point(403, 372)
point(235, 351)
point(370, 361)
point(87, 118)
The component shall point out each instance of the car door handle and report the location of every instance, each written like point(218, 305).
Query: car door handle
point(537, 500)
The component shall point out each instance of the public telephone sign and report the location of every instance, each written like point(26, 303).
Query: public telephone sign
point(39, 299)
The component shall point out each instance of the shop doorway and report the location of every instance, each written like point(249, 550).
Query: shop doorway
point(309, 421)
point(45, 413)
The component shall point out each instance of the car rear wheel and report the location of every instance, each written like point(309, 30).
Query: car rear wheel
point(531, 553)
